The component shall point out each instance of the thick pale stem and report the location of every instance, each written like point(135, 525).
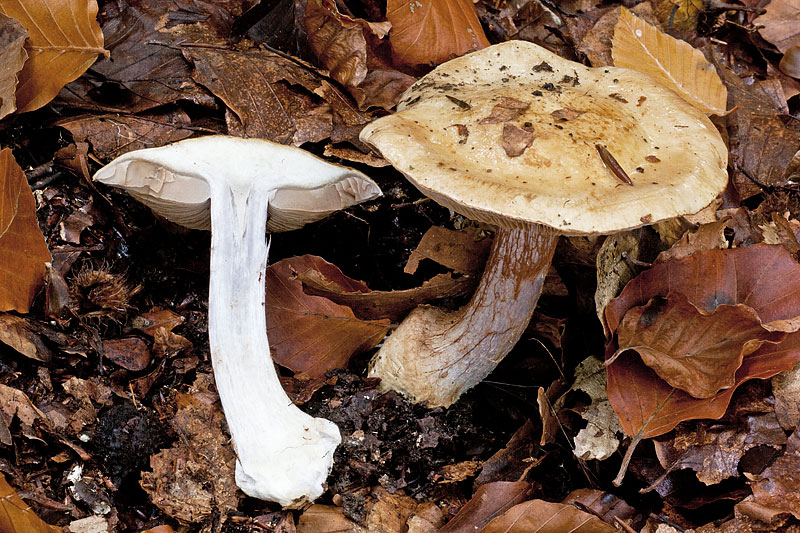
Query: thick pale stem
point(284, 455)
point(434, 356)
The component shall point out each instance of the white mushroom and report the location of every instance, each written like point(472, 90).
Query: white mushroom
point(516, 136)
point(284, 455)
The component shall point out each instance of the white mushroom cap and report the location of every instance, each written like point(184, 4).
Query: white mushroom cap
point(171, 180)
point(448, 139)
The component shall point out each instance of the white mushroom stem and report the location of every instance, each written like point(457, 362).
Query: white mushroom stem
point(434, 356)
point(284, 455)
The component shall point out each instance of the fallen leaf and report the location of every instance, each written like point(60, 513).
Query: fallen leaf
point(509, 463)
point(268, 95)
point(714, 452)
point(598, 440)
point(639, 46)
point(706, 237)
point(345, 46)
point(462, 251)
point(679, 15)
point(311, 334)
point(692, 350)
point(114, 135)
point(430, 32)
point(505, 110)
point(64, 39)
point(153, 320)
point(778, 24)
point(786, 390)
point(17, 516)
point(604, 505)
point(23, 251)
point(488, 502)
point(146, 68)
point(394, 305)
point(390, 512)
point(790, 62)
point(776, 486)
point(596, 41)
point(326, 519)
point(130, 353)
point(539, 516)
point(516, 140)
point(15, 332)
point(763, 277)
point(179, 481)
point(12, 57)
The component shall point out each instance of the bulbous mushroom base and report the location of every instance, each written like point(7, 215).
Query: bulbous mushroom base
point(434, 356)
point(292, 474)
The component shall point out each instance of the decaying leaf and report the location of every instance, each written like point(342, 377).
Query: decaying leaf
point(179, 481)
point(130, 353)
point(640, 46)
point(598, 440)
point(786, 390)
point(547, 517)
point(714, 452)
point(310, 334)
point(776, 486)
point(512, 462)
point(16, 516)
point(64, 40)
point(12, 57)
point(319, 518)
point(692, 350)
point(260, 89)
point(462, 251)
point(778, 24)
point(113, 135)
point(763, 277)
point(23, 251)
point(430, 32)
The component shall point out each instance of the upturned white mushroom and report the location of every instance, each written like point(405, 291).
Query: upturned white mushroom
point(516, 136)
point(284, 455)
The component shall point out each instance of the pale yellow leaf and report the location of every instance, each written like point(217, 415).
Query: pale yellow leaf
point(64, 39)
point(639, 46)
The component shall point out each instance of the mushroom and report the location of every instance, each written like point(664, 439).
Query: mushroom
point(283, 454)
point(516, 136)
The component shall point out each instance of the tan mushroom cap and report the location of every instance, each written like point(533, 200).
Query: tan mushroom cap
point(446, 139)
point(172, 180)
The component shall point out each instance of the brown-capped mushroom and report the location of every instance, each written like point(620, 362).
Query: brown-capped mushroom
point(516, 136)
point(231, 185)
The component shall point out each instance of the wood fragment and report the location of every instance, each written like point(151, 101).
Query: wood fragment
point(612, 165)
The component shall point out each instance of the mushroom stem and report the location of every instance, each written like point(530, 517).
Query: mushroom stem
point(434, 356)
point(284, 455)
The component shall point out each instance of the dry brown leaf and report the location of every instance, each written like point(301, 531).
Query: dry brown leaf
point(12, 57)
point(16, 516)
point(64, 39)
point(23, 251)
point(265, 94)
point(114, 135)
point(776, 486)
point(326, 519)
point(430, 32)
point(763, 277)
point(511, 462)
point(130, 353)
point(347, 48)
point(539, 516)
point(639, 46)
point(311, 334)
point(461, 251)
point(489, 501)
point(692, 350)
point(778, 24)
point(15, 332)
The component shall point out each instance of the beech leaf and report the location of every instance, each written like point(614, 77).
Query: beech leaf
point(639, 46)
point(16, 516)
point(692, 350)
point(488, 502)
point(430, 32)
point(12, 57)
point(764, 277)
point(778, 24)
point(64, 39)
point(23, 252)
point(539, 516)
point(311, 334)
